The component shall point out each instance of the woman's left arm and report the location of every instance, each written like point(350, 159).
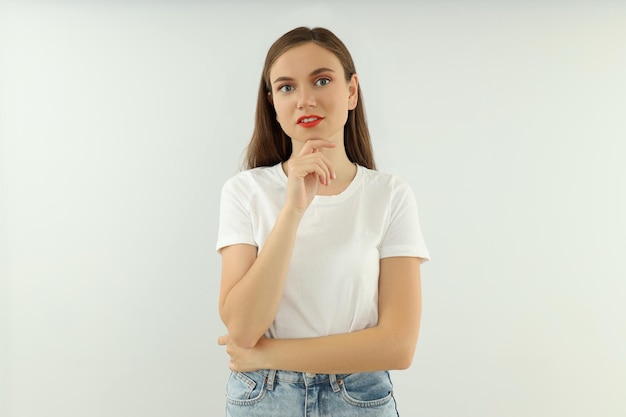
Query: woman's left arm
point(389, 345)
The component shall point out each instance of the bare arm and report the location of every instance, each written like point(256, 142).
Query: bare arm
point(389, 345)
point(252, 287)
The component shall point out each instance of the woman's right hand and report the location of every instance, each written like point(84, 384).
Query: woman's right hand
point(305, 172)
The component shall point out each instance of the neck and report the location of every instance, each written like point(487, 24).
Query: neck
point(343, 167)
point(345, 170)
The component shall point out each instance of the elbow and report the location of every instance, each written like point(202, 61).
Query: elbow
point(240, 334)
point(244, 341)
point(403, 361)
point(402, 356)
point(242, 337)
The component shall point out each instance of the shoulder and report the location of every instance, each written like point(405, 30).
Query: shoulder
point(383, 182)
point(249, 180)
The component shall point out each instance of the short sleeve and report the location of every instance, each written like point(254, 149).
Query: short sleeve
point(235, 224)
point(403, 236)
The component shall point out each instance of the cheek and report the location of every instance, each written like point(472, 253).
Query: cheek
point(280, 110)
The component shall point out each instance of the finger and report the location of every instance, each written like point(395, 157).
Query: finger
point(318, 169)
point(312, 164)
point(324, 177)
point(312, 145)
point(318, 163)
point(326, 167)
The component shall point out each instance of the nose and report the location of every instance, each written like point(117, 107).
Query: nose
point(305, 98)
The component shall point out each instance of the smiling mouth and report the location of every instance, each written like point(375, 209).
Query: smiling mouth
point(309, 121)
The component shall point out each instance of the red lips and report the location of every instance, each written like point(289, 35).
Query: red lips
point(310, 120)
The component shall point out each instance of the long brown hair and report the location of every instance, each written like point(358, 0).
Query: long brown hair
point(269, 144)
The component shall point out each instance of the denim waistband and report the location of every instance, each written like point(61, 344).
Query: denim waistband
point(303, 378)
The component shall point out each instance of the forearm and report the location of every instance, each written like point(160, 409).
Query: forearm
point(373, 349)
point(251, 305)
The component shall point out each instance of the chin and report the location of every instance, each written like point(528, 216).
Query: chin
point(304, 139)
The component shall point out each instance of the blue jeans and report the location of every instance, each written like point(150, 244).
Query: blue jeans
point(294, 394)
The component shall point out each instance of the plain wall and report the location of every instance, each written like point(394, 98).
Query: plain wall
point(120, 121)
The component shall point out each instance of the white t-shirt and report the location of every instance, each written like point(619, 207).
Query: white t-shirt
point(332, 282)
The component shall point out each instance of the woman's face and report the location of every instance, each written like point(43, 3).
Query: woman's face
point(310, 94)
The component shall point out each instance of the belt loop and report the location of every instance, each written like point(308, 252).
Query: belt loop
point(333, 382)
point(270, 379)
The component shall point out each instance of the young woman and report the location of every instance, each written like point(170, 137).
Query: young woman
point(321, 254)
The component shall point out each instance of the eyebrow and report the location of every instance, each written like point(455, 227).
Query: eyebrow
point(317, 71)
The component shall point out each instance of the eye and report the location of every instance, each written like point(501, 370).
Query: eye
point(286, 88)
point(322, 81)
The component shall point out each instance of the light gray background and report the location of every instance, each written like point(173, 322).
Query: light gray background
point(119, 122)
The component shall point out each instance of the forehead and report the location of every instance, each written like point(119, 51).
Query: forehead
point(302, 60)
